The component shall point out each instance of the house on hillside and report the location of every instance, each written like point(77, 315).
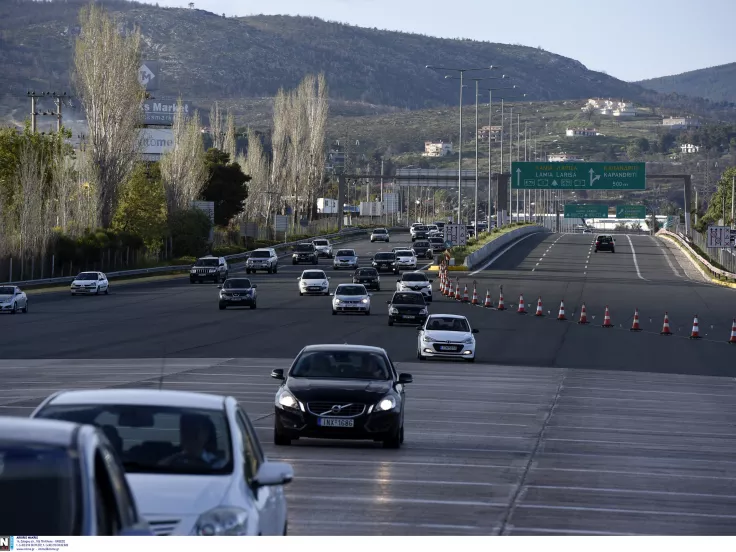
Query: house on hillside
point(624, 109)
point(490, 133)
point(578, 132)
point(437, 149)
point(610, 107)
point(689, 148)
point(562, 157)
point(680, 123)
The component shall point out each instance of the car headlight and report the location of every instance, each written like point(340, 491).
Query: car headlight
point(423, 311)
point(428, 339)
point(192, 271)
point(469, 341)
point(287, 400)
point(385, 404)
point(365, 301)
point(222, 521)
point(324, 284)
point(337, 301)
point(392, 310)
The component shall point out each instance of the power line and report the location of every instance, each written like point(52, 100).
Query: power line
point(59, 99)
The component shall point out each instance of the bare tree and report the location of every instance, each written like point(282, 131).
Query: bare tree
point(31, 178)
point(317, 111)
point(298, 149)
point(256, 165)
point(217, 129)
point(230, 142)
point(105, 77)
point(280, 168)
point(63, 186)
point(85, 197)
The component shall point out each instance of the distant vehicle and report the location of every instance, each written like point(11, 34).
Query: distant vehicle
point(380, 234)
point(385, 261)
point(369, 277)
point(209, 268)
point(345, 258)
point(440, 225)
point(433, 230)
point(314, 282)
point(406, 259)
point(415, 281)
point(422, 248)
point(323, 247)
point(76, 471)
point(407, 307)
point(305, 253)
point(419, 233)
point(351, 298)
point(12, 300)
point(446, 336)
point(605, 243)
point(238, 292)
point(263, 259)
point(340, 392)
point(437, 245)
point(193, 460)
point(90, 283)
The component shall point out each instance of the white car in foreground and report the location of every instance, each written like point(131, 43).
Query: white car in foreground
point(192, 460)
point(415, 281)
point(351, 298)
point(446, 336)
point(314, 282)
point(12, 300)
point(90, 283)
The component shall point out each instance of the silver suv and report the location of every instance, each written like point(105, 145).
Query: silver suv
point(209, 268)
point(380, 234)
point(323, 247)
point(262, 259)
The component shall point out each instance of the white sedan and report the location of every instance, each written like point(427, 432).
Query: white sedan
point(90, 283)
point(314, 282)
point(415, 281)
point(406, 259)
point(193, 460)
point(351, 298)
point(446, 336)
point(12, 300)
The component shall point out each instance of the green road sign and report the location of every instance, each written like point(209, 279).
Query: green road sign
point(586, 211)
point(631, 211)
point(531, 175)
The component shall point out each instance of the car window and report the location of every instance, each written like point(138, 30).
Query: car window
point(385, 256)
point(237, 283)
point(448, 324)
point(421, 244)
point(7, 290)
point(125, 497)
point(350, 290)
point(413, 277)
point(260, 255)
point(379, 231)
point(207, 262)
point(87, 276)
point(366, 272)
point(341, 365)
point(314, 275)
point(345, 253)
point(408, 299)
point(404, 253)
point(158, 439)
point(305, 248)
point(321, 242)
point(251, 458)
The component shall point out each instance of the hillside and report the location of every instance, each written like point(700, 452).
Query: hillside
point(717, 84)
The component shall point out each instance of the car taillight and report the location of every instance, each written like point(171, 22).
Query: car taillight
point(597, 243)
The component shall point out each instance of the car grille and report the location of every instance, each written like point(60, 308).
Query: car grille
point(365, 280)
point(408, 310)
point(204, 271)
point(448, 347)
point(325, 409)
point(163, 527)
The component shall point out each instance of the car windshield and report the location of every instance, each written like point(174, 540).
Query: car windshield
point(341, 365)
point(30, 471)
point(321, 242)
point(436, 240)
point(604, 239)
point(367, 272)
point(350, 290)
point(87, 276)
point(408, 299)
point(346, 253)
point(404, 253)
point(207, 262)
point(420, 229)
point(421, 244)
point(158, 439)
point(379, 231)
point(385, 256)
point(304, 248)
point(314, 275)
point(237, 283)
point(7, 290)
point(413, 277)
point(448, 324)
point(260, 255)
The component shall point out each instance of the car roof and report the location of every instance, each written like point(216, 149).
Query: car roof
point(209, 257)
point(269, 249)
point(142, 397)
point(410, 292)
point(37, 430)
point(438, 315)
point(344, 347)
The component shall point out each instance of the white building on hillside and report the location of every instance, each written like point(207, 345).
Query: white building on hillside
point(562, 157)
point(681, 123)
point(610, 107)
point(437, 149)
point(689, 148)
point(577, 132)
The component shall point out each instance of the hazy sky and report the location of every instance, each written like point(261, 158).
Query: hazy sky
point(628, 39)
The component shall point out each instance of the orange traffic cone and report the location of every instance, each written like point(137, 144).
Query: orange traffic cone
point(635, 325)
point(451, 293)
point(607, 319)
point(465, 294)
point(539, 312)
point(733, 332)
point(488, 303)
point(561, 314)
point(522, 307)
point(501, 305)
point(666, 326)
point(695, 334)
point(475, 296)
point(458, 297)
point(583, 315)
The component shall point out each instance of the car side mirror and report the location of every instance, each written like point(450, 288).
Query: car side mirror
point(277, 373)
point(273, 473)
point(219, 286)
point(431, 281)
point(298, 277)
point(406, 378)
point(388, 302)
point(254, 286)
point(476, 330)
point(398, 279)
point(419, 328)
point(329, 277)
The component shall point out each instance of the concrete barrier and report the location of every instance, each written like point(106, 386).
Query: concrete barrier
point(477, 258)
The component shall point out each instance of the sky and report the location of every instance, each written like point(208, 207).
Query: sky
point(628, 39)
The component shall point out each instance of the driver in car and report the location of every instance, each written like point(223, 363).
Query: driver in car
point(195, 433)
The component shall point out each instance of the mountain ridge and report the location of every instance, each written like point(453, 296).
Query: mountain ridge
point(716, 83)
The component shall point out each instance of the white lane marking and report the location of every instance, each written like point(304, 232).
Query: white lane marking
point(396, 500)
point(669, 262)
point(502, 252)
point(636, 263)
point(342, 523)
point(515, 529)
point(626, 511)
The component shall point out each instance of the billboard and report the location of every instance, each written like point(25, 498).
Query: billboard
point(149, 74)
point(157, 112)
point(156, 140)
point(390, 203)
point(370, 209)
point(327, 206)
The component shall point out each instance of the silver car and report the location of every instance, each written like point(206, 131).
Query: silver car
point(345, 258)
point(323, 247)
point(12, 300)
point(380, 234)
point(351, 298)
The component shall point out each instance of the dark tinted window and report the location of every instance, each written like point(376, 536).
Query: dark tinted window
point(379, 231)
point(350, 290)
point(408, 299)
point(207, 262)
point(88, 276)
point(345, 253)
point(413, 277)
point(438, 241)
point(237, 283)
point(341, 365)
point(305, 247)
point(604, 239)
point(260, 255)
point(385, 256)
point(366, 272)
point(157, 439)
point(39, 488)
point(321, 242)
point(448, 324)
point(7, 290)
point(314, 275)
point(421, 244)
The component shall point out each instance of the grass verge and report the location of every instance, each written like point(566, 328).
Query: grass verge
point(459, 253)
point(698, 261)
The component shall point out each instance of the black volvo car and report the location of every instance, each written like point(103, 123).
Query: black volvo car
point(341, 392)
point(385, 261)
point(407, 307)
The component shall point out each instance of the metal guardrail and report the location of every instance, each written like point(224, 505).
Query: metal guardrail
point(181, 268)
point(704, 262)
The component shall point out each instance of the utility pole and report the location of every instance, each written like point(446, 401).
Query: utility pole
point(58, 101)
point(733, 193)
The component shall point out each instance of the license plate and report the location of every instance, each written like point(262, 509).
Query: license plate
point(447, 348)
point(237, 298)
point(409, 316)
point(314, 289)
point(336, 422)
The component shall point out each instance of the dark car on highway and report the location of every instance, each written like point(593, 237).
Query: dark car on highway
point(407, 307)
point(238, 292)
point(605, 243)
point(305, 253)
point(340, 392)
point(385, 261)
point(437, 245)
point(368, 277)
point(420, 233)
point(422, 248)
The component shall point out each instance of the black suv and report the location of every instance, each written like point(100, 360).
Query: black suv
point(422, 248)
point(385, 261)
point(368, 277)
point(605, 243)
point(305, 253)
point(407, 307)
point(420, 233)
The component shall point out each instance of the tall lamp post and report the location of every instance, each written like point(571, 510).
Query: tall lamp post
point(462, 71)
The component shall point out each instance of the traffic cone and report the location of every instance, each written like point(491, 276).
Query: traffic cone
point(465, 294)
point(635, 325)
point(539, 312)
point(457, 292)
point(522, 307)
point(475, 296)
point(583, 315)
point(733, 332)
point(666, 326)
point(561, 314)
point(500, 306)
point(451, 292)
point(488, 303)
point(695, 334)
point(607, 319)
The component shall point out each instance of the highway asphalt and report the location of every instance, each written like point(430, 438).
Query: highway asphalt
point(557, 429)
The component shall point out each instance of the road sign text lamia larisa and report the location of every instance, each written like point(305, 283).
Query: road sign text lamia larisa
point(531, 175)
